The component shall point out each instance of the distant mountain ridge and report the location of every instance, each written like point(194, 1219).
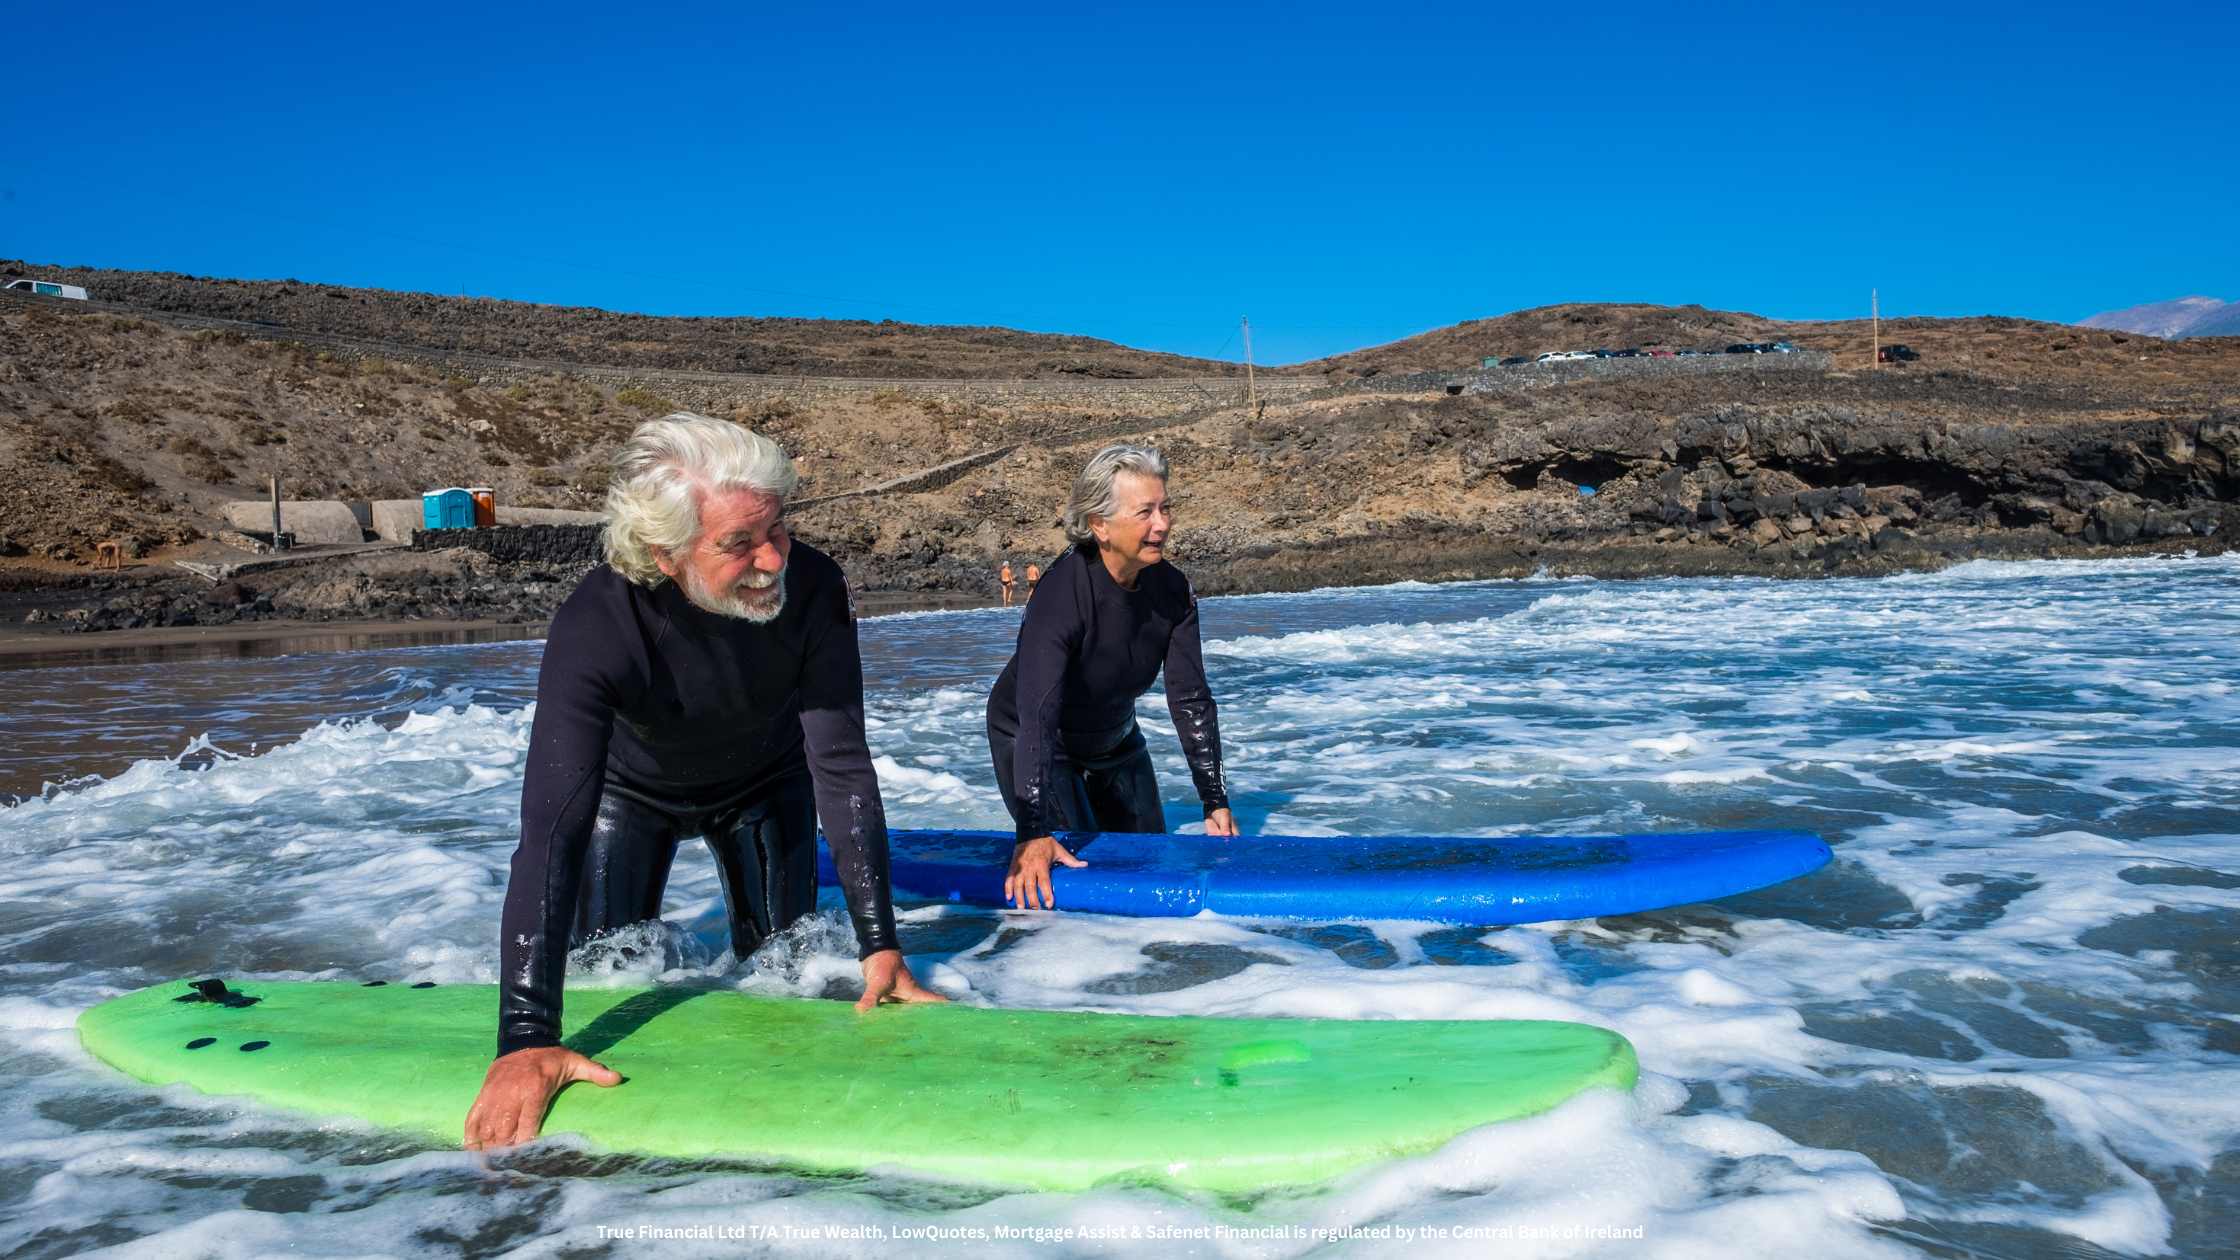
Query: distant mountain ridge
point(2182, 317)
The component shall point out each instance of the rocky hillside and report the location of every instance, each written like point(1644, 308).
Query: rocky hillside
point(1571, 326)
point(2007, 438)
point(581, 334)
point(1753, 472)
point(123, 428)
point(1743, 472)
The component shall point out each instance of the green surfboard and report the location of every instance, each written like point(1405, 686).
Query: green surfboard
point(1054, 1100)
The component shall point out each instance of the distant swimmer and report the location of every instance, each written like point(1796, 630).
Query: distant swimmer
point(1003, 575)
point(705, 681)
point(1034, 575)
point(1061, 719)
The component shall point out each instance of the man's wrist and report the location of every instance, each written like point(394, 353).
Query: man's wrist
point(526, 1041)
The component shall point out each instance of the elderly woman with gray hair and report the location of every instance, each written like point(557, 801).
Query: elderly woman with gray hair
point(705, 681)
point(1108, 616)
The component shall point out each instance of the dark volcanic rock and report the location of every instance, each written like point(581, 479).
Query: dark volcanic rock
point(1813, 469)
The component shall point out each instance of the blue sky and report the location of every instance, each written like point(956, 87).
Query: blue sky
point(1344, 176)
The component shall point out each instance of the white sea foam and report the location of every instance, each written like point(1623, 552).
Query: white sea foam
point(2005, 1008)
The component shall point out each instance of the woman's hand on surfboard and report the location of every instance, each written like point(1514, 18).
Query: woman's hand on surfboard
point(1030, 872)
point(1222, 823)
point(886, 978)
point(519, 1089)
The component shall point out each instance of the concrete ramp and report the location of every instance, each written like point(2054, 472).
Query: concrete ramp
point(395, 519)
point(314, 522)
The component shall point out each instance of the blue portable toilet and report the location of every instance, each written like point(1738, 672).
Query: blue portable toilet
point(451, 508)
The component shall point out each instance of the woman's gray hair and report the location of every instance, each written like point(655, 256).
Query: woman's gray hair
point(1095, 489)
point(653, 491)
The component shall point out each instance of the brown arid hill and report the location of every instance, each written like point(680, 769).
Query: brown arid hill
point(1751, 471)
point(2009, 438)
point(588, 335)
point(128, 429)
point(2013, 351)
point(1570, 326)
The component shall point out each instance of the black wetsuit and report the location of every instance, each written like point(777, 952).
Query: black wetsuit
point(1061, 720)
point(657, 721)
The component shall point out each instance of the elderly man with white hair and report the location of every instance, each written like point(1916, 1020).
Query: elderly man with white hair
point(705, 681)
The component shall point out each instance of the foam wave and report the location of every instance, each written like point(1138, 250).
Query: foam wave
point(2004, 1013)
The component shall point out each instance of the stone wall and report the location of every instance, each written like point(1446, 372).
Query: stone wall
point(917, 482)
point(508, 514)
point(718, 394)
point(567, 547)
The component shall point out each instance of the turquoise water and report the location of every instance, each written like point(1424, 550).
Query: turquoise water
point(2005, 1021)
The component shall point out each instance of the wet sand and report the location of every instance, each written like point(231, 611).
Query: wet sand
point(28, 650)
point(27, 647)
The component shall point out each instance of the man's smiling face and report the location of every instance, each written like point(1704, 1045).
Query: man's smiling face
point(737, 565)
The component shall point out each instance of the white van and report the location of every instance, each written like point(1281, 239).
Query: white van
point(46, 289)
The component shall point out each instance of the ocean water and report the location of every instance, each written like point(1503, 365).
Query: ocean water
point(2004, 1022)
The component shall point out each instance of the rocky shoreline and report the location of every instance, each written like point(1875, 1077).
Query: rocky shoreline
point(1801, 490)
point(1846, 532)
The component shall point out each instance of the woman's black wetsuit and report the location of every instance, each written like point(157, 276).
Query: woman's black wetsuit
point(658, 721)
point(1061, 720)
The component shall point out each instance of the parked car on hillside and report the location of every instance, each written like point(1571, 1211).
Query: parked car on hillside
point(1514, 360)
point(46, 288)
point(1896, 354)
point(1658, 354)
point(1753, 347)
point(1781, 347)
point(1562, 356)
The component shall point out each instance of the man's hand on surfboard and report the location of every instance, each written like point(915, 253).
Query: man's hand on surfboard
point(1029, 875)
point(1222, 823)
point(886, 978)
point(519, 1089)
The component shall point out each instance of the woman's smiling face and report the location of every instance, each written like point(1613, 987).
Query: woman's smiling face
point(1136, 532)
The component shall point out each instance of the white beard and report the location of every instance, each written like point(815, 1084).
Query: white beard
point(760, 611)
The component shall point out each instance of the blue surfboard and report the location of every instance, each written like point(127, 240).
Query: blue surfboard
point(1441, 879)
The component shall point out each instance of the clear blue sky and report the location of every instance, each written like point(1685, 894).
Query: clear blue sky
point(1343, 176)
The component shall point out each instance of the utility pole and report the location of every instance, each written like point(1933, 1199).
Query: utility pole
point(1251, 392)
point(276, 544)
point(1874, 308)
